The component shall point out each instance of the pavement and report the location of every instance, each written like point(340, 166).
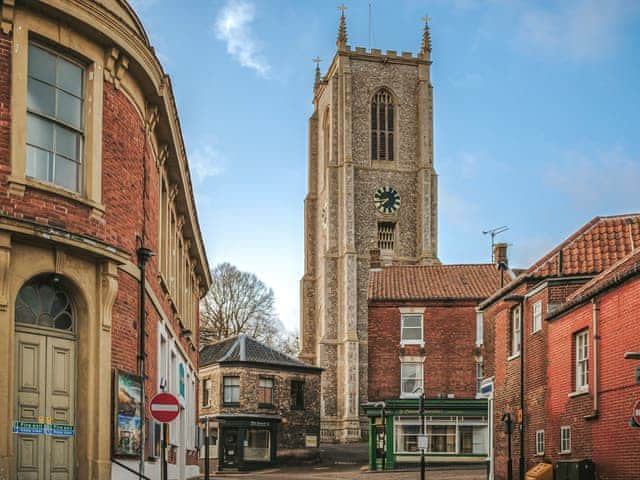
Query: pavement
point(346, 462)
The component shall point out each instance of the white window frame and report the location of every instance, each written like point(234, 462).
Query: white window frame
point(516, 331)
point(581, 341)
point(413, 341)
point(419, 388)
point(479, 374)
point(479, 328)
point(539, 442)
point(536, 323)
point(565, 439)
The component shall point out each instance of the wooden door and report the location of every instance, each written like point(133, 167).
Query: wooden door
point(46, 372)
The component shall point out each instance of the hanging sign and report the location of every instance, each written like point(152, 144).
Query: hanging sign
point(636, 412)
point(127, 403)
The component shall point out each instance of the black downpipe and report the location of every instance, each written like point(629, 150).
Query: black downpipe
point(143, 256)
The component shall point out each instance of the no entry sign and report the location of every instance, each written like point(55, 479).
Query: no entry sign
point(164, 407)
point(636, 412)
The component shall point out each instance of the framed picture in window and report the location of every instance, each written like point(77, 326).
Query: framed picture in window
point(127, 418)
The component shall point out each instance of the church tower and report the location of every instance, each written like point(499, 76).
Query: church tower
point(372, 190)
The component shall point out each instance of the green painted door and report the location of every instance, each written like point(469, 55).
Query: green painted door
point(45, 393)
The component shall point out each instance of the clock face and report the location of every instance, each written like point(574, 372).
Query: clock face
point(387, 200)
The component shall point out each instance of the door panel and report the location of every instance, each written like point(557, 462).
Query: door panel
point(45, 392)
point(30, 395)
point(60, 405)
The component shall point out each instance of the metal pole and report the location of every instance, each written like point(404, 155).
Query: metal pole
point(510, 462)
point(384, 438)
point(206, 449)
point(163, 461)
point(423, 432)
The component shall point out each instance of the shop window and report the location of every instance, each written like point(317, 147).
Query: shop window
point(297, 395)
point(265, 392)
point(442, 438)
point(257, 447)
point(407, 435)
point(231, 390)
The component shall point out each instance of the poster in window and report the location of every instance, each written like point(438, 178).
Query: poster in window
point(127, 402)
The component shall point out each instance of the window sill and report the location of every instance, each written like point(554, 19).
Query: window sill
point(513, 357)
point(565, 452)
point(578, 393)
point(406, 343)
point(539, 454)
point(536, 331)
point(266, 405)
point(231, 405)
point(17, 186)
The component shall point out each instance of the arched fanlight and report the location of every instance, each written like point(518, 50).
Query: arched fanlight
point(43, 302)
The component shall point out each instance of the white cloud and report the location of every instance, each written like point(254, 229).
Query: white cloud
point(595, 182)
point(206, 161)
point(233, 26)
point(576, 29)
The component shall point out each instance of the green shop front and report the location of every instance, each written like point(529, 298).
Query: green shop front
point(449, 431)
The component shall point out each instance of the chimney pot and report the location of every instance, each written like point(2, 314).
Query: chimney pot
point(500, 257)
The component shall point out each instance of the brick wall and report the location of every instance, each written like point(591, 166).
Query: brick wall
point(607, 439)
point(449, 351)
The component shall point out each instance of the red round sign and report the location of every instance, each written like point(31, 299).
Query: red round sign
point(636, 412)
point(164, 407)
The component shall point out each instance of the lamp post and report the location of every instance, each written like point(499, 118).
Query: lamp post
point(421, 410)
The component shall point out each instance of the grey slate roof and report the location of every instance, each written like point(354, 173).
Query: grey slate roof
point(243, 348)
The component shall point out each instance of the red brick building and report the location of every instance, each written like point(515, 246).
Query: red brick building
point(93, 176)
point(591, 387)
point(423, 337)
point(515, 317)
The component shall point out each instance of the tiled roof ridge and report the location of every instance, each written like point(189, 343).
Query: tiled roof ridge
point(577, 235)
point(440, 265)
point(601, 282)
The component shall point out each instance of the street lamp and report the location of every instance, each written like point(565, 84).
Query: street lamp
point(415, 390)
point(382, 405)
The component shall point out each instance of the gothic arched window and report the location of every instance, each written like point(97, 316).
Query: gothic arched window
point(44, 303)
point(382, 124)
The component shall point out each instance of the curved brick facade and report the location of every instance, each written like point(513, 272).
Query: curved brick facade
point(135, 191)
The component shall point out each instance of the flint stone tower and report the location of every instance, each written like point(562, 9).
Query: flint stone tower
point(372, 192)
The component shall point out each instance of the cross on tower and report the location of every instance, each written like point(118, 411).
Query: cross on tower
point(342, 8)
point(317, 61)
point(426, 19)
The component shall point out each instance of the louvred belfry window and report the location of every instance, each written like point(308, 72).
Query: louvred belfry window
point(382, 125)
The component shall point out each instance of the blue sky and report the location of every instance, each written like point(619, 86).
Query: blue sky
point(536, 117)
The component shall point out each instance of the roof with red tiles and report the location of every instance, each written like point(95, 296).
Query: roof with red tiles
point(619, 272)
point(589, 251)
point(434, 282)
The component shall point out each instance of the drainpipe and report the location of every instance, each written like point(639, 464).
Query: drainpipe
point(596, 349)
point(522, 430)
point(143, 256)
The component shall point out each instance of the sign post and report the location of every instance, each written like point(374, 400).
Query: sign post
point(165, 408)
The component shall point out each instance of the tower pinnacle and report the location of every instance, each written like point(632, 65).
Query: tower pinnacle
point(426, 36)
point(317, 61)
point(341, 43)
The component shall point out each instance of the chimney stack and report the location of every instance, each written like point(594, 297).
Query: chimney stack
point(500, 255)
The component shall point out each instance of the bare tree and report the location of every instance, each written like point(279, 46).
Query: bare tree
point(239, 302)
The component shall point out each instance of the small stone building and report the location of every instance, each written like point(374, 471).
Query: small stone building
point(424, 339)
point(257, 404)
